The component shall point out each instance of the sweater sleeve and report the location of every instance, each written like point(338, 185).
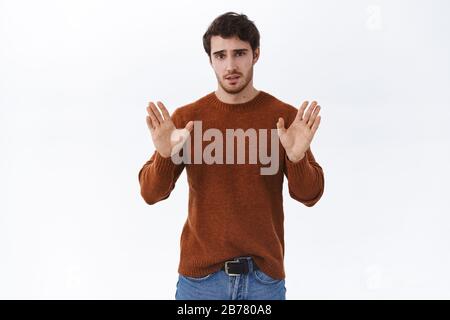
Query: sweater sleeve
point(158, 176)
point(305, 179)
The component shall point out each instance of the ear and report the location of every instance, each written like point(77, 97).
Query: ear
point(256, 55)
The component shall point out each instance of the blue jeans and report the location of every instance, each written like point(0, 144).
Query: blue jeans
point(255, 285)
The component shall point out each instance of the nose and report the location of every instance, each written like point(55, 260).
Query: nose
point(231, 65)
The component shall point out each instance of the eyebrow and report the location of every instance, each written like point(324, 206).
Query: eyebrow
point(235, 50)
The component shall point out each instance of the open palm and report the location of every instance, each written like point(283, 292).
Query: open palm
point(168, 140)
point(297, 138)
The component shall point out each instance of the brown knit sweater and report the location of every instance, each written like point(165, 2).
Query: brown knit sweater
point(233, 209)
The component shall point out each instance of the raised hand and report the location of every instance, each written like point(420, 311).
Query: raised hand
point(297, 138)
point(168, 140)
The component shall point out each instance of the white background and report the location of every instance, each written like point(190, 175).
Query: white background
point(76, 76)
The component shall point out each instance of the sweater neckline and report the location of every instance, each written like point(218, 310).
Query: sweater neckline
point(254, 103)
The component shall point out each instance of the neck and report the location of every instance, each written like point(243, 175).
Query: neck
point(247, 94)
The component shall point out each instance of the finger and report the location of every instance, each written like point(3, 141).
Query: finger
point(280, 127)
point(156, 112)
point(149, 123)
point(189, 126)
point(165, 113)
point(313, 116)
point(300, 111)
point(309, 111)
point(315, 125)
point(152, 116)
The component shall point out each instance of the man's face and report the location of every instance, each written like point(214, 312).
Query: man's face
point(232, 60)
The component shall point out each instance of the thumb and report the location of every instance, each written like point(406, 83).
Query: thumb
point(280, 127)
point(189, 126)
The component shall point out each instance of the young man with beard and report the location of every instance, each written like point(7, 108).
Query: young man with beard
point(232, 243)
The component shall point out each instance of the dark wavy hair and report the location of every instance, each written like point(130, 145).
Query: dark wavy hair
point(231, 24)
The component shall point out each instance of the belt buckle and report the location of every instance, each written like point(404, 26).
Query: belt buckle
point(226, 268)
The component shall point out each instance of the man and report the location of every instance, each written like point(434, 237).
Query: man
point(232, 243)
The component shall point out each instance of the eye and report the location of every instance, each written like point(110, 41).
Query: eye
point(241, 53)
point(220, 56)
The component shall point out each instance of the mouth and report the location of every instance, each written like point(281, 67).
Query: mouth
point(233, 78)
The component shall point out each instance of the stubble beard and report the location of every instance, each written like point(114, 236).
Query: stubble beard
point(231, 89)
